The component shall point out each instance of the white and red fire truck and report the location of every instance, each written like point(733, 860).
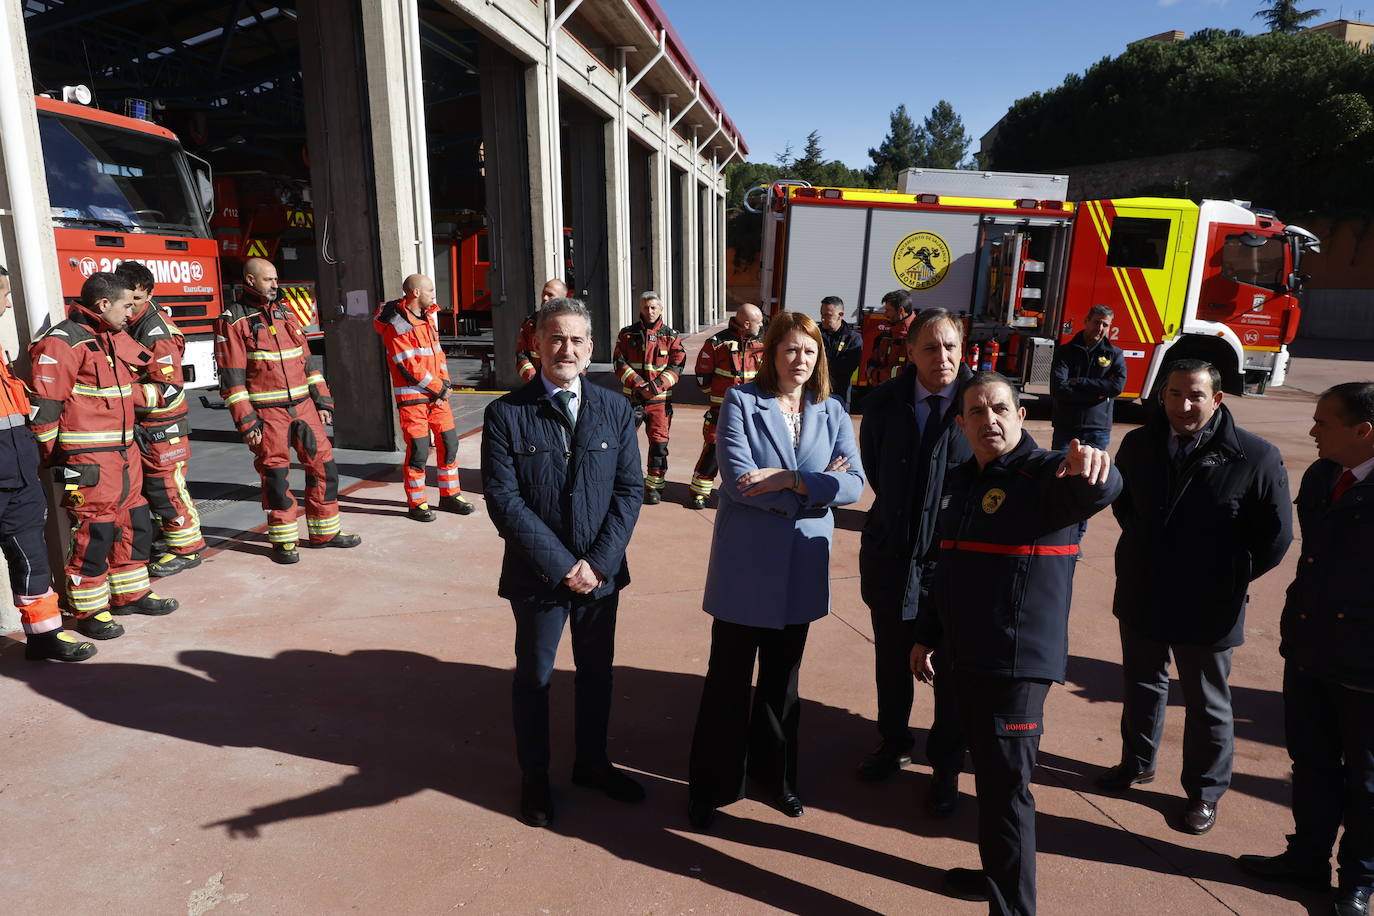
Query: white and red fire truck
point(1217, 280)
point(123, 189)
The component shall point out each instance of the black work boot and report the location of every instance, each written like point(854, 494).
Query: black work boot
point(285, 554)
point(149, 604)
point(652, 497)
point(421, 513)
point(456, 504)
point(99, 626)
point(169, 564)
point(58, 646)
point(339, 540)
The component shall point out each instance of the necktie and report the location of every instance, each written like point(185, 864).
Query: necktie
point(1344, 483)
point(932, 427)
point(1184, 443)
point(563, 401)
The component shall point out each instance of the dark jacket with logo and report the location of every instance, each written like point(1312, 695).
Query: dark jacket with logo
point(1004, 579)
point(898, 541)
point(844, 350)
point(1328, 620)
point(557, 496)
point(1099, 375)
point(1193, 538)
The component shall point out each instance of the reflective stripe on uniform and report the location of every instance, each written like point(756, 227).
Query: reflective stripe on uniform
point(111, 391)
point(91, 599)
point(130, 583)
point(407, 354)
point(88, 437)
point(276, 354)
point(12, 421)
point(278, 394)
point(283, 534)
point(328, 526)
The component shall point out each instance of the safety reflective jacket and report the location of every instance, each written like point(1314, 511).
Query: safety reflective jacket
point(163, 411)
point(85, 396)
point(527, 350)
point(419, 371)
point(889, 352)
point(727, 360)
point(649, 360)
point(264, 361)
point(18, 451)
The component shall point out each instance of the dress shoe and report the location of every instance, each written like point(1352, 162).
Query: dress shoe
point(652, 497)
point(943, 795)
point(605, 777)
point(149, 604)
point(339, 540)
point(788, 803)
point(883, 762)
point(966, 884)
point(457, 505)
point(1288, 868)
point(1352, 901)
point(700, 815)
point(285, 554)
point(696, 502)
point(99, 626)
point(421, 513)
point(169, 564)
point(1124, 775)
point(536, 801)
point(58, 646)
point(1198, 816)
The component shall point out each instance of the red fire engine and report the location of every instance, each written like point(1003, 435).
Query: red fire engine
point(123, 189)
point(1219, 280)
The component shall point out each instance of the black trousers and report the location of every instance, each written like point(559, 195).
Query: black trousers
point(735, 735)
point(1003, 720)
point(1208, 725)
point(1330, 734)
point(538, 630)
point(893, 639)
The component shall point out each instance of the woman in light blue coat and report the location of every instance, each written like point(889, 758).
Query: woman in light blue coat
point(787, 455)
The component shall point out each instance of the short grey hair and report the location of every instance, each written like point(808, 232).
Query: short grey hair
point(1101, 311)
point(562, 306)
point(649, 294)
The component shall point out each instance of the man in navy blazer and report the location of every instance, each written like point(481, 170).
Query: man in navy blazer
point(560, 474)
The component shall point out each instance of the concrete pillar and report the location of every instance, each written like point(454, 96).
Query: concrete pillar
point(723, 255)
point(514, 280)
point(27, 250)
point(691, 267)
point(545, 175)
point(616, 141)
point(365, 224)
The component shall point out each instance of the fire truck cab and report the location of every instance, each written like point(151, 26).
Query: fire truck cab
point(1216, 280)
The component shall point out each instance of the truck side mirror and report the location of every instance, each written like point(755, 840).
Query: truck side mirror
point(205, 193)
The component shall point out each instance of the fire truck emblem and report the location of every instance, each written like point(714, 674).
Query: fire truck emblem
point(993, 500)
point(1252, 336)
point(921, 260)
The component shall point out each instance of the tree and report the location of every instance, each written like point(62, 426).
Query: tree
point(807, 167)
point(946, 141)
point(1284, 15)
point(904, 146)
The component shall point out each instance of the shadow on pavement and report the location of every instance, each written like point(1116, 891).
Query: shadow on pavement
point(372, 709)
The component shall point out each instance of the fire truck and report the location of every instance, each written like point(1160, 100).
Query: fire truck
point(123, 189)
point(1216, 280)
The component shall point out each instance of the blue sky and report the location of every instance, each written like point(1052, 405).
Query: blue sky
point(784, 69)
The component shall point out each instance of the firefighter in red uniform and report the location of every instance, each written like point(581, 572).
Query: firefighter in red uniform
point(420, 384)
point(730, 358)
point(85, 399)
point(526, 348)
point(889, 349)
point(163, 431)
point(23, 510)
point(278, 398)
point(649, 359)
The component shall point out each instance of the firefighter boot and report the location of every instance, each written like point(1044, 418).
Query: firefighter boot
point(149, 604)
point(652, 497)
point(57, 645)
point(697, 501)
point(169, 564)
point(339, 540)
point(99, 626)
point(456, 504)
point(285, 554)
point(421, 513)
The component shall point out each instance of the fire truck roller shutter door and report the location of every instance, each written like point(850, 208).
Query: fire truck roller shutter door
point(825, 257)
point(933, 254)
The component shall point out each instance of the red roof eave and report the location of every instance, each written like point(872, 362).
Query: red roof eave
point(657, 20)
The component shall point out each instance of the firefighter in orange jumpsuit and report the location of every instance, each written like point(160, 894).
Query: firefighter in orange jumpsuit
point(420, 384)
point(23, 510)
point(526, 348)
point(277, 396)
point(649, 359)
point(889, 349)
point(85, 398)
point(163, 430)
point(730, 358)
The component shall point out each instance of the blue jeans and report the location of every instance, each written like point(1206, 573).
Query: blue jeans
point(1097, 438)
